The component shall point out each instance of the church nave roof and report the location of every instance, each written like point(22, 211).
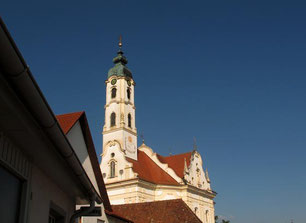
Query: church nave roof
point(149, 171)
point(176, 162)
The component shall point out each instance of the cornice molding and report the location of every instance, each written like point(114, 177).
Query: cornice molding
point(120, 77)
point(152, 186)
point(209, 193)
point(127, 102)
point(121, 183)
point(133, 132)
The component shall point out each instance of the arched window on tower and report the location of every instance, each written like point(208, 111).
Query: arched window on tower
point(112, 169)
point(129, 120)
point(114, 92)
point(113, 119)
point(128, 92)
point(206, 216)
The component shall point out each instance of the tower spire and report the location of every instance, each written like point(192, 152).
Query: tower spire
point(120, 59)
point(120, 124)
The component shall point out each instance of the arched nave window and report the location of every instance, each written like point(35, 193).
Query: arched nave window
point(112, 169)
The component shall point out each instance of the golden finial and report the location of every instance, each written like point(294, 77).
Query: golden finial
point(142, 138)
point(120, 42)
point(194, 144)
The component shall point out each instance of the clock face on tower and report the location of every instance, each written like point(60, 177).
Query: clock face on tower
point(114, 81)
point(130, 147)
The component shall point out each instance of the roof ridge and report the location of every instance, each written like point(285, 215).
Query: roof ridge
point(178, 154)
point(71, 113)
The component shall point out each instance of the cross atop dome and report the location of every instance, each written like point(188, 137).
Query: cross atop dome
point(120, 42)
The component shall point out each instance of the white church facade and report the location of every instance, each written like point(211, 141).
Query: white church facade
point(137, 174)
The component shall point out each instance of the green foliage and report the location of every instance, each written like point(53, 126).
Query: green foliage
point(223, 220)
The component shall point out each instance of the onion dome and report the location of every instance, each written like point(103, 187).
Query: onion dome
point(120, 62)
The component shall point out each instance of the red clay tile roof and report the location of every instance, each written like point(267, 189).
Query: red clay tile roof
point(176, 162)
point(149, 171)
point(168, 211)
point(66, 121)
point(118, 215)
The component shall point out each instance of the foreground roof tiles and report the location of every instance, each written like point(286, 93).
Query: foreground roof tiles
point(168, 211)
point(118, 215)
point(149, 171)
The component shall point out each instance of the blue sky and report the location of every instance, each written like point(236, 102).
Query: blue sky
point(230, 73)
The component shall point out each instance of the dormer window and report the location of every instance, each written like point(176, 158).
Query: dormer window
point(129, 121)
point(114, 92)
point(128, 92)
point(113, 119)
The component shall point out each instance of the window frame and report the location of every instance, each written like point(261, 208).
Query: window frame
point(129, 120)
point(128, 93)
point(112, 169)
point(113, 93)
point(24, 177)
point(113, 119)
point(57, 213)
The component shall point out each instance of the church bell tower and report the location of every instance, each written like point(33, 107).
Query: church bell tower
point(119, 125)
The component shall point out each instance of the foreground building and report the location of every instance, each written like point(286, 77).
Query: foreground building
point(76, 129)
point(49, 171)
point(137, 174)
point(42, 178)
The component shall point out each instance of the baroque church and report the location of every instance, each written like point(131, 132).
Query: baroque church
point(135, 174)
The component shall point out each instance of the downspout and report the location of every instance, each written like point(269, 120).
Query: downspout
point(80, 213)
